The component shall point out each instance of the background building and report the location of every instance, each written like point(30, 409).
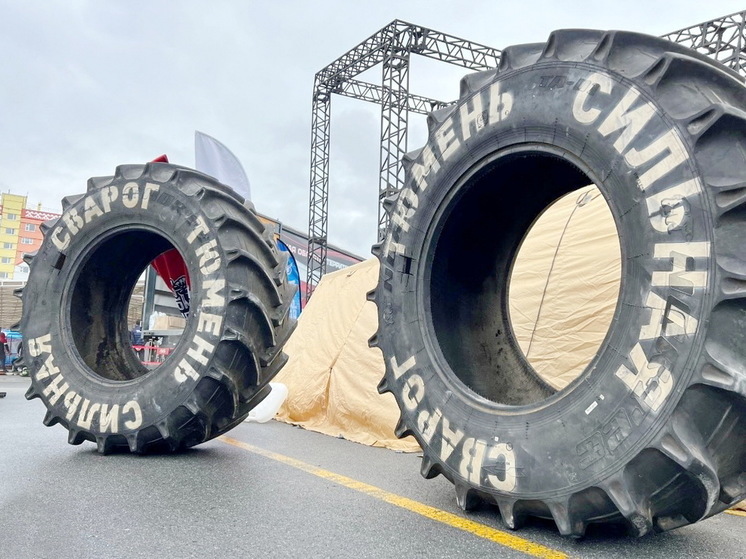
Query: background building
point(20, 233)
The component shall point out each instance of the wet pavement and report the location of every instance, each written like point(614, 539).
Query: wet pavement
point(268, 490)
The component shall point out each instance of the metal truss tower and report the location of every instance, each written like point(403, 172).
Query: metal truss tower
point(392, 46)
point(721, 39)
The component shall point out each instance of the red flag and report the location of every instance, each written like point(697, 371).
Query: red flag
point(171, 267)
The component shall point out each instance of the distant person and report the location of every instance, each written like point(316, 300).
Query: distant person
point(137, 339)
point(4, 350)
point(15, 366)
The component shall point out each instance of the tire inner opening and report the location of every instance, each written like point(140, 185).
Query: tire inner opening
point(472, 256)
point(100, 300)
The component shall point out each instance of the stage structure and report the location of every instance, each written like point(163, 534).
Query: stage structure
point(721, 39)
point(392, 46)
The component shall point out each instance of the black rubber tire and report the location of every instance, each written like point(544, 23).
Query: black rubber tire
point(75, 305)
point(651, 434)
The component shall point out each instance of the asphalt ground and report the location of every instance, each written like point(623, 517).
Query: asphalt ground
point(269, 490)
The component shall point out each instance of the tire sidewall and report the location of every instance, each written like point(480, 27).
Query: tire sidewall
point(71, 389)
point(581, 435)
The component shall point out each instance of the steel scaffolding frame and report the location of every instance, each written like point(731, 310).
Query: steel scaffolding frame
point(721, 39)
point(391, 47)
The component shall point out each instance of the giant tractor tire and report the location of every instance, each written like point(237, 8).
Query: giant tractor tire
point(75, 303)
point(651, 434)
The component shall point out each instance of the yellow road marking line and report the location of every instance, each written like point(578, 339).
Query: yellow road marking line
point(491, 534)
point(736, 512)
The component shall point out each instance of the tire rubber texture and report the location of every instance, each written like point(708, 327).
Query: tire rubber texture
point(75, 311)
point(650, 436)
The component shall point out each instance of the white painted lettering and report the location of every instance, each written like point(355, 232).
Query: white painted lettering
point(48, 368)
point(56, 389)
point(149, 189)
point(651, 383)
point(451, 438)
point(652, 329)
point(427, 423)
point(446, 139)
point(91, 209)
point(200, 227)
point(185, 370)
point(670, 143)
point(108, 420)
point(83, 408)
point(209, 259)
point(209, 323)
point(71, 402)
point(629, 121)
point(133, 407)
point(472, 458)
point(682, 277)
point(201, 350)
point(504, 452)
point(108, 195)
point(392, 247)
point(73, 220)
point(413, 392)
point(213, 298)
point(399, 370)
point(501, 103)
point(666, 209)
point(595, 82)
point(677, 321)
point(130, 195)
point(420, 171)
point(40, 345)
point(87, 413)
point(405, 207)
point(63, 242)
point(473, 116)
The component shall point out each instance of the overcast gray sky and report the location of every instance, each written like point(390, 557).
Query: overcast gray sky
point(87, 85)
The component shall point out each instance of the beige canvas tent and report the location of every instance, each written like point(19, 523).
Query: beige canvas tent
point(562, 298)
point(565, 286)
point(331, 373)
